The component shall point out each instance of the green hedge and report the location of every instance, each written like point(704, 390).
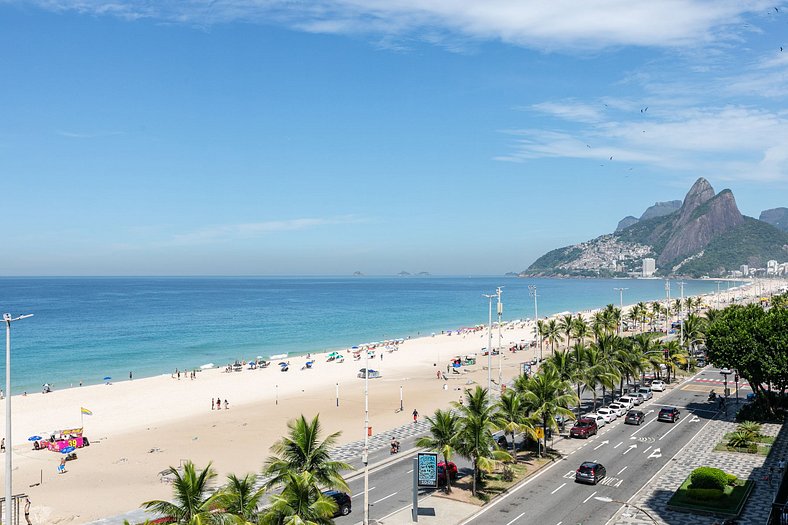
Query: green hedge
point(732, 479)
point(709, 478)
point(704, 494)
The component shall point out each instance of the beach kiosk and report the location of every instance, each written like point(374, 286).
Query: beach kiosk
point(70, 437)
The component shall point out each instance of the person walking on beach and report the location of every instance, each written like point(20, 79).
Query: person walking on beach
point(130, 376)
point(212, 406)
point(2, 445)
point(218, 403)
point(415, 415)
point(226, 405)
point(27, 511)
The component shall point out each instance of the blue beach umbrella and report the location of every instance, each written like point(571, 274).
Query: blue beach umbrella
point(107, 378)
point(34, 438)
point(67, 450)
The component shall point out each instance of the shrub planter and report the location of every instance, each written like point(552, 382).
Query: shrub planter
point(726, 503)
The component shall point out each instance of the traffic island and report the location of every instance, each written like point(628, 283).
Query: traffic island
point(701, 493)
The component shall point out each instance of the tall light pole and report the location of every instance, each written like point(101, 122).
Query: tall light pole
point(681, 313)
point(489, 343)
point(532, 293)
point(667, 310)
point(10, 444)
point(365, 455)
point(621, 302)
point(500, 313)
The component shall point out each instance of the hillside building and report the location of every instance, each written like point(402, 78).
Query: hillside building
point(649, 267)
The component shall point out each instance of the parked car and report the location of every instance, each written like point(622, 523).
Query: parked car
point(504, 439)
point(629, 400)
point(658, 386)
point(646, 391)
point(668, 414)
point(442, 472)
point(584, 427)
point(599, 418)
point(590, 472)
point(641, 396)
point(634, 417)
point(608, 414)
point(344, 504)
point(620, 408)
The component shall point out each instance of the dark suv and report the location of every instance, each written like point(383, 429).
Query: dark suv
point(583, 428)
point(634, 417)
point(668, 414)
point(344, 505)
point(590, 472)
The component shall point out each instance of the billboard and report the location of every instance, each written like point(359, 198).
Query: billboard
point(427, 469)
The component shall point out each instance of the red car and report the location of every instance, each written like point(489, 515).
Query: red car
point(584, 427)
point(442, 472)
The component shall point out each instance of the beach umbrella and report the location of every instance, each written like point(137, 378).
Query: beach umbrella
point(67, 450)
point(34, 438)
point(283, 364)
point(107, 378)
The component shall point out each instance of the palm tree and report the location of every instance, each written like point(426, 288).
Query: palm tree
point(566, 326)
point(643, 348)
point(300, 503)
point(561, 362)
point(475, 440)
point(598, 324)
point(239, 497)
point(674, 355)
point(578, 362)
point(444, 426)
point(607, 346)
point(597, 371)
point(553, 333)
point(510, 417)
point(302, 451)
point(694, 329)
point(193, 502)
point(546, 395)
point(580, 329)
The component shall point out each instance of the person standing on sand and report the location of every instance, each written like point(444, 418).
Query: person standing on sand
point(212, 404)
point(226, 405)
point(415, 415)
point(2, 445)
point(27, 511)
point(130, 376)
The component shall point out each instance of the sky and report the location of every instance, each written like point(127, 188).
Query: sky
point(273, 137)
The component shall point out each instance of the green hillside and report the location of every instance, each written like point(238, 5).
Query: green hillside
point(652, 232)
point(753, 242)
point(554, 258)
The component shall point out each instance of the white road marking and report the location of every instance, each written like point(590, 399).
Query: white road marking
point(630, 448)
point(559, 488)
point(589, 497)
point(517, 518)
point(656, 453)
point(647, 449)
point(381, 499)
point(644, 426)
point(622, 470)
point(602, 444)
point(411, 470)
point(361, 493)
point(618, 445)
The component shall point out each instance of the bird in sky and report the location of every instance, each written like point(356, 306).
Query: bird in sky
point(611, 157)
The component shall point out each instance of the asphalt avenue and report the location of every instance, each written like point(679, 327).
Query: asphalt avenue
point(632, 455)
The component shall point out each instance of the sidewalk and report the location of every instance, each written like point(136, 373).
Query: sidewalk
point(655, 495)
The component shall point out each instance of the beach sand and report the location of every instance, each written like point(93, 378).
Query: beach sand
point(141, 427)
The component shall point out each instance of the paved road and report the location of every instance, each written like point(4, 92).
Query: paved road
point(632, 456)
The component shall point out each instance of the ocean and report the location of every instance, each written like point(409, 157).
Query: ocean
point(85, 329)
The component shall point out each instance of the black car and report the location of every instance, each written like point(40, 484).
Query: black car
point(590, 472)
point(634, 417)
point(344, 505)
point(668, 414)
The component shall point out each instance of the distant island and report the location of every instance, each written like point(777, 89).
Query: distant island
point(706, 236)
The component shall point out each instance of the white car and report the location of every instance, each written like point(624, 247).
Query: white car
point(645, 392)
point(619, 408)
point(608, 414)
point(631, 400)
point(657, 386)
point(599, 418)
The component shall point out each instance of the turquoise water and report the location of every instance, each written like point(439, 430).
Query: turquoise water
point(84, 329)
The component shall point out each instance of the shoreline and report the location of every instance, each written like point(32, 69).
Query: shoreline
point(141, 427)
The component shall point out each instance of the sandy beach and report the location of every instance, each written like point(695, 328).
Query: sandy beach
point(140, 427)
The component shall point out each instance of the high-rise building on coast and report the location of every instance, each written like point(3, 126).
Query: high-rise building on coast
point(649, 267)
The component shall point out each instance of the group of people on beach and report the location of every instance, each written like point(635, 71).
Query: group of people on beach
point(218, 404)
point(177, 375)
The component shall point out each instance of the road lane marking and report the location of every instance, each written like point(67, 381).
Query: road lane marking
point(602, 444)
point(644, 426)
point(629, 449)
point(361, 493)
point(618, 445)
point(589, 497)
point(622, 470)
point(647, 449)
point(559, 488)
point(384, 498)
point(656, 453)
point(517, 518)
point(673, 428)
point(408, 472)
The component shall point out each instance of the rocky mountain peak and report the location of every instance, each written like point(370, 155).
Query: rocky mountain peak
point(700, 193)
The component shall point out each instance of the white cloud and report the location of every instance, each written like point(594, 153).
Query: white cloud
point(558, 24)
point(254, 229)
point(731, 142)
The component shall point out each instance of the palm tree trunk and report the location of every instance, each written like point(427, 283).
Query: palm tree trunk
point(448, 477)
point(473, 485)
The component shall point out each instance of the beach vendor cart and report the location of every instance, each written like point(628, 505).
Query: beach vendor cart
point(70, 437)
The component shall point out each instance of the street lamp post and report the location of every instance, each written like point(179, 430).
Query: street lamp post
point(641, 509)
point(725, 373)
point(489, 342)
point(365, 455)
point(500, 313)
point(10, 445)
point(667, 310)
point(621, 303)
point(681, 313)
point(532, 293)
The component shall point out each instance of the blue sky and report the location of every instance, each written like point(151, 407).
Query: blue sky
point(274, 137)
